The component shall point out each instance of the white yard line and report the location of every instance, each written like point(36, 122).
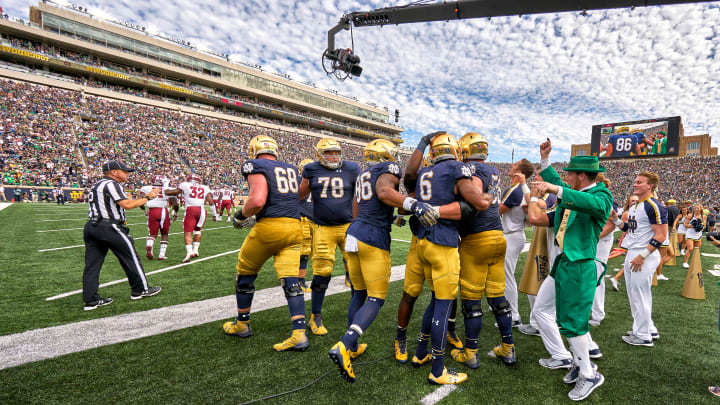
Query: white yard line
point(177, 266)
point(142, 238)
point(75, 229)
point(438, 395)
point(85, 218)
point(4, 205)
point(47, 343)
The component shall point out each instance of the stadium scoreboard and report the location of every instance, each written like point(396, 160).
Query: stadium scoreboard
point(632, 139)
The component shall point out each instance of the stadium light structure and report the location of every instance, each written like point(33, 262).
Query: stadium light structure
point(343, 63)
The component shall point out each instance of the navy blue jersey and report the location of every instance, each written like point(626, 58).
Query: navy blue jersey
point(488, 220)
point(332, 191)
point(436, 186)
point(282, 183)
point(622, 144)
point(306, 208)
point(550, 200)
point(374, 218)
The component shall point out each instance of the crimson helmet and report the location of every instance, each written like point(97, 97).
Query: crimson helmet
point(159, 180)
point(194, 178)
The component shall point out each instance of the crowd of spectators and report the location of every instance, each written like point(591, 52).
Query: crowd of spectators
point(51, 136)
point(44, 142)
point(91, 60)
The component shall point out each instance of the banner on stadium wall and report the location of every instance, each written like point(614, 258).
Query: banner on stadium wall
point(71, 194)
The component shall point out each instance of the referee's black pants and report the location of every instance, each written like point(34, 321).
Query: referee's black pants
point(99, 237)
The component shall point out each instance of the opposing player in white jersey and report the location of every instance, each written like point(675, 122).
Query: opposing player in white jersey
point(158, 217)
point(216, 196)
point(513, 223)
point(196, 196)
point(646, 230)
point(227, 202)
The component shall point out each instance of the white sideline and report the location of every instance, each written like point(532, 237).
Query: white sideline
point(47, 343)
point(438, 395)
point(4, 205)
point(144, 237)
point(67, 294)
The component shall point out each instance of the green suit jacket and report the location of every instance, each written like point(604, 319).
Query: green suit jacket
point(589, 210)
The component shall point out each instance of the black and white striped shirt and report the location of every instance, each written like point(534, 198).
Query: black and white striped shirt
point(103, 199)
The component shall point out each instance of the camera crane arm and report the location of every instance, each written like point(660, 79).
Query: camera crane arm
point(345, 61)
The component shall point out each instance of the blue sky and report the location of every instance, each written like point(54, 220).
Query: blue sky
point(517, 80)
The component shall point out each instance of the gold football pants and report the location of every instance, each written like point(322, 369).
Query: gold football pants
point(482, 265)
point(307, 236)
point(441, 265)
point(369, 270)
point(278, 237)
point(326, 240)
point(414, 272)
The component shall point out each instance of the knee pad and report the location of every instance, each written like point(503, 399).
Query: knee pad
point(245, 284)
point(320, 283)
point(472, 308)
point(197, 233)
point(500, 306)
point(291, 287)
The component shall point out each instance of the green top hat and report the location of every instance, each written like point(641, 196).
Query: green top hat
point(587, 164)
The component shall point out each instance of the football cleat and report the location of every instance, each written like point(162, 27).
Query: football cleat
point(149, 252)
point(162, 257)
point(401, 354)
point(415, 362)
point(188, 257)
point(149, 292)
point(341, 356)
point(297, 342)
point(354, 354)
point(316, 325)
point(505, 352)
point(454, 341)
point(447, 377)
point(654, 335)
point(636, 341)
point(555, 364)
point(468, 357)
point(238, 328)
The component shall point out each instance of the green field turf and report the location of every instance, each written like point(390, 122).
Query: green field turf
point(203, 365)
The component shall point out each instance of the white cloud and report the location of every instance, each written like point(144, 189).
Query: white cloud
point(518, 80)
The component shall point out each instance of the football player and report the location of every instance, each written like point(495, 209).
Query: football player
point(414, 272)
point(274, 203)
point(482, 261)
point(195, 195)
point(367, 246)
point(446, 181)
point(216, 197)
point(158, 217)
point(227, 197)
point(331, 182)
point(622, 144)
point(306, 220)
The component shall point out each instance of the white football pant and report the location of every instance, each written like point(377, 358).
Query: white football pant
point(515, 244)
point(638, 284)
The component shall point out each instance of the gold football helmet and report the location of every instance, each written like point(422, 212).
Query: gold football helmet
point(328, 145)
point(623, 130)
point(444, 146)
point(302, 164)
point(474, 146)
point(380, 150)
point(263, 144)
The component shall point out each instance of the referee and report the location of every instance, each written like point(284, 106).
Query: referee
point(106, 230)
